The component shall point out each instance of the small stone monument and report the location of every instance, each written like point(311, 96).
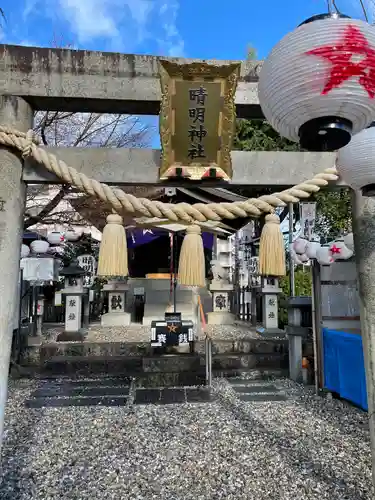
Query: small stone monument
point(73, 292)
point(220, 288)
point(116, 316)
point(270, 291)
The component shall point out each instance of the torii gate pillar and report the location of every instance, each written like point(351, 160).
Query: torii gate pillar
point(16, 113)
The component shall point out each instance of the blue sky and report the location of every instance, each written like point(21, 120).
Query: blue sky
point(203, 29)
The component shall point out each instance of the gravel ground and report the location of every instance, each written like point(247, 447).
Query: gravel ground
point(139, 333)
point(299, 449)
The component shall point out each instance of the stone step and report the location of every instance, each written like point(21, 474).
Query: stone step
point(80, 391)
point(174, 370)
point(246, 346)
point(65, 393)
point(252, 374)
point(172, 395)
point(263, 398)
point(258, 389)
point(60, 402)
point(249, 361)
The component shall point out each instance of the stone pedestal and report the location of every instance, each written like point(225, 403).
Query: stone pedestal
point(270, 290)
point(220, 314)
point(116, 315)
point(74, 293)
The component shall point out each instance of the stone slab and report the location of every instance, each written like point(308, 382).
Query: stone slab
point(200, 395)
point(147, 396)
point(257, 389)
point(81, 401)
point(70, 337)
point(171, 396)
point(68, 391)
point(262, 397)
point(115, 319)
point(102, 82)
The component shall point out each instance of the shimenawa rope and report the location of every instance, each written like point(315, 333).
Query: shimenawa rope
point(27, 144)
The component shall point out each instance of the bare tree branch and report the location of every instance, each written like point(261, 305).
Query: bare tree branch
point(51, 205)
point(79, 130)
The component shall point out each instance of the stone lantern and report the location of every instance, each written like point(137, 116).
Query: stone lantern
point(73, 291)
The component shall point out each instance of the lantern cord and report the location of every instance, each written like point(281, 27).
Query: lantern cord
point(180, 212)
point(364, 10)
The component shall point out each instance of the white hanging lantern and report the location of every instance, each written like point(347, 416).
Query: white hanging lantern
point(340, 251)
point(25, 251)
point(72, 235)
point(295, 257)
point(312, 248)
point(355, 162)
point(55, 238)
point(303, 258)
point(324, 256)
point(349, 241)
point(316, 86)
point(39, 246)
point(299, 245)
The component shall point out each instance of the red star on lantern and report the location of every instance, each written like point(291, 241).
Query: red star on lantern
point(352, 56)
point(334, 249)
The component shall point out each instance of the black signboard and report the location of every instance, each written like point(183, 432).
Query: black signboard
point(171, 333)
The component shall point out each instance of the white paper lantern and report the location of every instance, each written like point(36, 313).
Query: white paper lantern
point(39, 246)
point(303, 258)
point(312, 248)
point(324, 256)
point(355, 162)
point(340, 251)
point(349, 241)
point(25, 251)
point(55, 238)
point(299, 245)
point(316, 86)
point(295, 257)
point(72, 235)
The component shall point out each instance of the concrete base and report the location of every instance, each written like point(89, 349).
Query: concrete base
point(116, 319)
point(71, 337)
point(270, 332)
point(220, 318)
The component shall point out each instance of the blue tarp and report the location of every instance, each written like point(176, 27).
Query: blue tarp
point(344, 367)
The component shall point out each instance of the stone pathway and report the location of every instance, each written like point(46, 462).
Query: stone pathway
point(109, 391)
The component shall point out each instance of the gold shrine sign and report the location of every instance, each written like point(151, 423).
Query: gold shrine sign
point(197, 119)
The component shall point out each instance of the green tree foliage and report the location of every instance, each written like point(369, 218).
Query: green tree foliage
point(258, 135)
point(333, 206)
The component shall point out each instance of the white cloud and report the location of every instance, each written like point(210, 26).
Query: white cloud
point(124, 23)
point(171, 41)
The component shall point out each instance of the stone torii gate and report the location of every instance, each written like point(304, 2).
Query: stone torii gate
point(81, 81)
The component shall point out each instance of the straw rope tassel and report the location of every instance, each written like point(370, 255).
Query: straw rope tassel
point(271, 248)
point(113, 253)
point(191, 267)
